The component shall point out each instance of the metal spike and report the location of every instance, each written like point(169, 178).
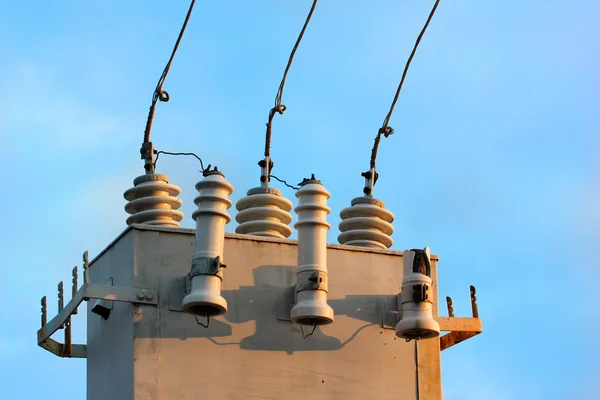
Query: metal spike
point(61, 300)
point(44, 315)
point(474, 302)
point(67, 348)
point(86, 272)
point(75, 285)
point(450, 308)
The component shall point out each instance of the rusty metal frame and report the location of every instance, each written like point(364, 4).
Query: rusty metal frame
point(87, 292)
point(460, 329)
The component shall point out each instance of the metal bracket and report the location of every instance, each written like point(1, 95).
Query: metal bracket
point(206, 266)
point(87, 292)
point(420, 294)
point(311, 280)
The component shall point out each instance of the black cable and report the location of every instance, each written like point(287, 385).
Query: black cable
point(178, 154)
point(385, 129)
point(284, 182)
point(280, 108)
point(201, 324)
point(311, 332)
point(160, 94)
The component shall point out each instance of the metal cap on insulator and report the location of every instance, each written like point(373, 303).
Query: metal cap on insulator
point(204, 297)
point(153, 201)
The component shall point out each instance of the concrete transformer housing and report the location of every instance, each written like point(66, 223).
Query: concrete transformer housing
point(253, 351)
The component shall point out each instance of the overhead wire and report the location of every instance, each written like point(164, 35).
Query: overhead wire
point(159, 93)
point(279, 107)
point(284, 182)
point(385, 129)
point(158, 153)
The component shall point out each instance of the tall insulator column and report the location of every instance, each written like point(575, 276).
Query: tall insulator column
point(264, 212)
point(311, 278)
point(153, 201)
point(206, 274)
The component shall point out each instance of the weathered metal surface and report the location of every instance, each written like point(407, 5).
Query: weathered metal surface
point(474, 308)
point(449, 305)
point(77, 350)
point(460, 329)
point(455, 337)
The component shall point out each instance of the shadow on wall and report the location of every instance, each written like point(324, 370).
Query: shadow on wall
point(268, 303)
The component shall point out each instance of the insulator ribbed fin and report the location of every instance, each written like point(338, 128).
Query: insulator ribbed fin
point(264, 212)
point(367, 224)
point(153, 201)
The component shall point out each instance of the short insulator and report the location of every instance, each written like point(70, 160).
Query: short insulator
point(367, 224)
point(153, 201)
point(264, 212)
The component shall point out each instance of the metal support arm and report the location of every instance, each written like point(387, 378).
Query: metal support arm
point(86, 292)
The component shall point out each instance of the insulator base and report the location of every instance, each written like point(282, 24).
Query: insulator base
point(367, 224)
point(264, 212)
point(153, 201)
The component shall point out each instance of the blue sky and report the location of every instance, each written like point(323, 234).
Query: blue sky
point(494, 164)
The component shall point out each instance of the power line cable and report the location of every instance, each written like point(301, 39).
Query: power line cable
point(159, 93)
point(280, 108)
point(158, 153)
point(385, 129)
point(284, 182)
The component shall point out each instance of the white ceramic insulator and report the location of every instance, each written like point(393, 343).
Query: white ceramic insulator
point(153, 201)
point(264, 212)
point(311, 304)
point(367, 224)
point(211, 217)
point(417, 317)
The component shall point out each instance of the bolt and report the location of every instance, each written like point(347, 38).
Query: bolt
point(149, 296)
point(140, 295)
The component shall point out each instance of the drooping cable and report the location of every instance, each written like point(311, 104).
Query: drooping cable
point(159, 93)
point(280, 108)
point(284, 182)
point(385, 129)
point(158, 153)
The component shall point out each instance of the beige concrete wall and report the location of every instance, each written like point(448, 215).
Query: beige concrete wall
point(251, 352)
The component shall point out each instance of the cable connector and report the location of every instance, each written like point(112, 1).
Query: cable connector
point(147, 154)
point(371, 177)
point(266, 166)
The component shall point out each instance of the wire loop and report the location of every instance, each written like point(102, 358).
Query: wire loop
point(163, 96)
